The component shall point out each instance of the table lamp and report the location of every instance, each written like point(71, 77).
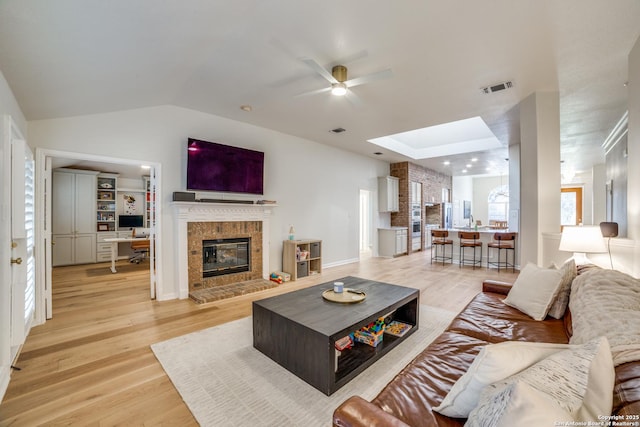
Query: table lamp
point(581, 240)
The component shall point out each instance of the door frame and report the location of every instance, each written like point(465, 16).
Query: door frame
point(579, 202)
point(43, 223)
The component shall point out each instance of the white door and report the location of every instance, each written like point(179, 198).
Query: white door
point(23, 294)
point(366, 221)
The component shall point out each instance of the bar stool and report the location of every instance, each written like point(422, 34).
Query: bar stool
point(470, 239)
point(439, 239)
point(503, 242)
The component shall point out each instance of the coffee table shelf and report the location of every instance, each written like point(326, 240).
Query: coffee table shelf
point(299, 329)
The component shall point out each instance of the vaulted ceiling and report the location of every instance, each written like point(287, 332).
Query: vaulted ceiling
point(74, 57)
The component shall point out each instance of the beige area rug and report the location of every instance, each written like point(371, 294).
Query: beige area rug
point(226, 382)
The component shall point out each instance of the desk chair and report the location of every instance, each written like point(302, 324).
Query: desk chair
point(440, 239)
point(503, 242)
point(139, 247)
point(470, 239)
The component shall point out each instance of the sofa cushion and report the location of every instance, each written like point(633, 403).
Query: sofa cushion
point(423, 382)
point(535, 290)
point(494, 363)
point(579, 379)
point(428, 378)
point(488, 319)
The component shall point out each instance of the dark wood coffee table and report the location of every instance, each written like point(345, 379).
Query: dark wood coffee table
point(299, 329)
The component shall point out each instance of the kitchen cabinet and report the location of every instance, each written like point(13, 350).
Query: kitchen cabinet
point(388, 194)
point(392, 241)
point(73, 216)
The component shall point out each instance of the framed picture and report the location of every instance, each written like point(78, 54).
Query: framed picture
point(103, 227)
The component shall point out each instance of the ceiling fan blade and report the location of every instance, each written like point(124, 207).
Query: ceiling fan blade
point(319, 69)
point(353, 98)
point(380, 75)
point(313, 92)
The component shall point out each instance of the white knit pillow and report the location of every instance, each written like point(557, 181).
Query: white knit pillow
point(495, 362)
point(518, 404)
point(569, 378)
point(559, 306)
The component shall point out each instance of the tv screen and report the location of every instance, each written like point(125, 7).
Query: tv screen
point(130, 221)
point(218, 167)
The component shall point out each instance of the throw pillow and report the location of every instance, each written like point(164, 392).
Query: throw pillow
point(573, 378)
point(495, 362)
point(534, 290)
point(559, 306)
point(518, 404)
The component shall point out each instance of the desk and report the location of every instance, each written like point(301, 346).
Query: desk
point(114, 247)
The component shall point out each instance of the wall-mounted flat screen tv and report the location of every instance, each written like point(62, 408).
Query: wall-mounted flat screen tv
point(218, 167)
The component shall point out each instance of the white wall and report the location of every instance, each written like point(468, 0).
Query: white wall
point(462, 189)
point(539, 172)
point(584, 180)
point(482, 186)
point(316, 186)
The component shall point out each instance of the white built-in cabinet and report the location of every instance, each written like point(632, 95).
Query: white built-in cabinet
point(392, 241)
point(388, 194)
point(73, 217)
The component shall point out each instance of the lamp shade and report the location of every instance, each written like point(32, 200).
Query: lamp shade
point(584, 239)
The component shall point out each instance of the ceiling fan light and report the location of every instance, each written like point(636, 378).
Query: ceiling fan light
point(338, 89)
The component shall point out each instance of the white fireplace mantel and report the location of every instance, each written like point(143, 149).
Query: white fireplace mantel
point(186, 212)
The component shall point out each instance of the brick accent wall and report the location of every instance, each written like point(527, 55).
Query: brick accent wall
point(199, 231)
point(432, 184)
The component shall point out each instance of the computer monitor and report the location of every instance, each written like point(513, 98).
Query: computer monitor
point(130, 221)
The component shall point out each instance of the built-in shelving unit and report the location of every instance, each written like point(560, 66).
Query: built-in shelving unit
point(149, 206)
point(106, 202)
point(301, 258)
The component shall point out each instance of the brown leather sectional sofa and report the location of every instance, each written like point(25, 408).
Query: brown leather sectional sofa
point(409, 398)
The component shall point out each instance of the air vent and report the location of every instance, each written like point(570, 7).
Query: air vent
point(497, 87)
point(338, 130)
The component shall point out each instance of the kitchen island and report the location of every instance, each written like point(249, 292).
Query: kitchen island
point(486, 236)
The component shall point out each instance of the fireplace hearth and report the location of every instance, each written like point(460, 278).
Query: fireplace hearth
point(225, 256)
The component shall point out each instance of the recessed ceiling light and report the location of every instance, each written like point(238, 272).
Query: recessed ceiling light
point(464, 171)
point(469, 165)
point(145, 167)
point(247, 108)
point(475, 159)
point(446, 163)
point(378, 153)
point(338, 130)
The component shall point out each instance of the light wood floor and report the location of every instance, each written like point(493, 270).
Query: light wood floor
point(92, 365)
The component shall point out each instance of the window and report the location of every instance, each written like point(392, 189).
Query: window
point(498, 202)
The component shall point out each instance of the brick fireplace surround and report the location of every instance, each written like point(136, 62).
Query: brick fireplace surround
point(197, 221)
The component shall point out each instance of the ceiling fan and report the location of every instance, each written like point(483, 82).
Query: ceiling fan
point(340, 86)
